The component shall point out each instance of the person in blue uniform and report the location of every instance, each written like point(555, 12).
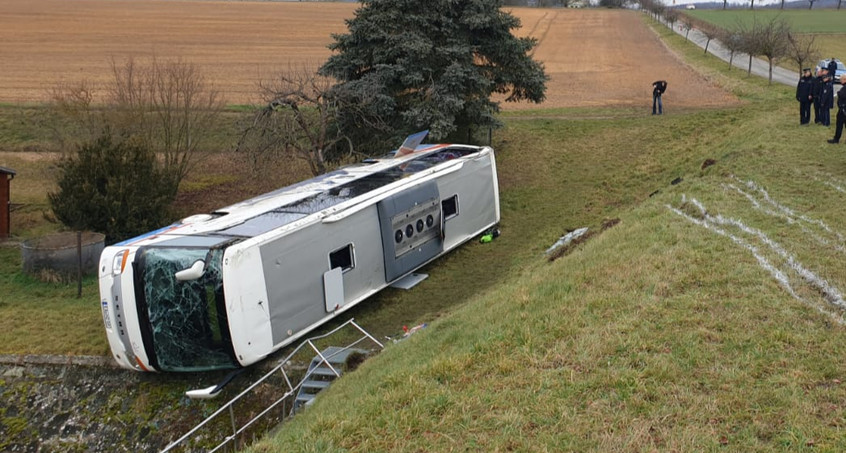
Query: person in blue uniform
point(826, 100)
point(658, 89)
point(832, 68)
point(804, 96)
point(816, 90)
point(841, 115)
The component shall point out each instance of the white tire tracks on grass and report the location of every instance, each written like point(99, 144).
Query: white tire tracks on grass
point(790, 216)
point(719, 224)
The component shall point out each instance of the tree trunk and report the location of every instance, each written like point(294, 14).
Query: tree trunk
point(724, 3)
point(771, 70)
point(79, 264)
point(687, 32)
point(706, 45)
point(749, 71)
point(731, 59)
point(782, 4)
point(752, 5)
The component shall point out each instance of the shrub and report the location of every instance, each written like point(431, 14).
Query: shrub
point(117, 189)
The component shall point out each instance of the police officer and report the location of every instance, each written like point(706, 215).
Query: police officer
point(832, 68)
point(841, 114)
point(826, 100)
point(658, 88)
point(804, 96)
point(816, 91)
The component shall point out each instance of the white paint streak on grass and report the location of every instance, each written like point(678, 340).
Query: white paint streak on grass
point(834, 186)
point(714, 223)
point(789, 212)
point(791, 218)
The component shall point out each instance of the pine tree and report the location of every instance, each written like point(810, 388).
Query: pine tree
point(408, 65)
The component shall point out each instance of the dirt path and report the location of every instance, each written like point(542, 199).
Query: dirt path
point(594, 57)
point(601, 58)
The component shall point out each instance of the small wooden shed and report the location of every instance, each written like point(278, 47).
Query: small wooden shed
point(6, 176)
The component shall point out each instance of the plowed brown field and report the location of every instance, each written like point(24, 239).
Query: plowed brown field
point(594, 57)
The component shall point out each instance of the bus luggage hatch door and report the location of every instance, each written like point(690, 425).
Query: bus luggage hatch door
point(411, 228)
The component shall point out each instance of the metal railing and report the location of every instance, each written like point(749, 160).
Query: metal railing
point(291, 391)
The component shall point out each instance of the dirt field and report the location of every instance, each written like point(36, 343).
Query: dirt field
point(594, 57)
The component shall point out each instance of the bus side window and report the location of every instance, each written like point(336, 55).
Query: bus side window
point(450, 207)
point(343, 258)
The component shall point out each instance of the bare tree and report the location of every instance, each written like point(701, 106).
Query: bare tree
point(297, 121)
point(709, 31)
point(165, 106)
point(671, 16)
point(733, 41)
point(810, 4)
point(687, 25)
point(168, 105)
point(772, 41)
point(802, 49)
point(748, 42)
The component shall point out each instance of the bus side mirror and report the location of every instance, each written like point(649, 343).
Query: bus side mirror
point(192, 273)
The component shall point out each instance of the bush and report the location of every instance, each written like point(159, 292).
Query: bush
point(117, 189)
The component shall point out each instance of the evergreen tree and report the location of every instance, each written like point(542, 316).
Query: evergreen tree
point(408, 65)
point(116, 189)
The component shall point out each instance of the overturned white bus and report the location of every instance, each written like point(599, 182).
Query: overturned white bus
point(224, 290)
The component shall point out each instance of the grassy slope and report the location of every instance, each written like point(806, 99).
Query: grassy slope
point(656, 334)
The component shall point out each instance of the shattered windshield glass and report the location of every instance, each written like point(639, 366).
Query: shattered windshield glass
point(187, 319)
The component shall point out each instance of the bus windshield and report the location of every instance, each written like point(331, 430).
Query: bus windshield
point(186, 327)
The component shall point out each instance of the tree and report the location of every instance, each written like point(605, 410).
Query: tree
point(114, 188)
point(687, 25)
point(771, 41)
point(412, 65)
point(801, 49)
point(733, 41)
point(748, 42)
point(810, 4)
point(297, 121)
point(671, 16)
point(709, 31)
point(165, 106)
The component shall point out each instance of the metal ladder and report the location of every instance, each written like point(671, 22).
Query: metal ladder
point(324, 368)
point(291, 389)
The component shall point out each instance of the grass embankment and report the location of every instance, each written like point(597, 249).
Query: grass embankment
point(659, 333)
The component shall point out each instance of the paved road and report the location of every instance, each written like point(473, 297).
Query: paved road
point(759, 67)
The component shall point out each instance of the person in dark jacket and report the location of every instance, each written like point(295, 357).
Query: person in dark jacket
point(826, 101)
point(658, 88)
point(816, 90)
point(841, 114)
point(832, 68)
point(804, 96)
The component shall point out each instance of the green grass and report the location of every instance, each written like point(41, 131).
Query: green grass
point(47, 318)
point(817, 21)
point(657, 334)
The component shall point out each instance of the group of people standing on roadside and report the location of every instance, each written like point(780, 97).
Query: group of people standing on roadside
point(818, 91)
